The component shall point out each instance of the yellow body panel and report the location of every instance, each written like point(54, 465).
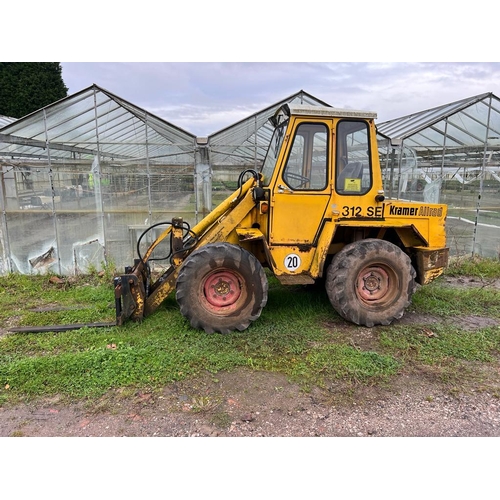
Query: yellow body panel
point(296, 217)
point(426, 221)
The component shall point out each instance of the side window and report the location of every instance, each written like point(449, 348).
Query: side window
point(353, 158)
point(306, 167)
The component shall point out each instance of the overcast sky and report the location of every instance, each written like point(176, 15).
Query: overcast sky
point(203, 98)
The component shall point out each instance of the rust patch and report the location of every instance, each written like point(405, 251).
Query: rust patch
point(304, 248)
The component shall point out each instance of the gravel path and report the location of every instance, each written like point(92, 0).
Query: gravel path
point(246, 403)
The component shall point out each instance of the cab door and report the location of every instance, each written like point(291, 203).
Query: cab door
point(300, 195)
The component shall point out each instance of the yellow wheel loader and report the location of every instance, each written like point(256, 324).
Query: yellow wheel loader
point(315, 211)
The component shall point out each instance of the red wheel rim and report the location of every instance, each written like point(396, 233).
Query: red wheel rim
point(373, 284)
point(222, 289)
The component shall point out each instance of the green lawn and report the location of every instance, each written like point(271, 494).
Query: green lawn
point(298, 334)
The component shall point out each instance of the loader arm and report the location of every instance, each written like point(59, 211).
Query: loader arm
point(136, 297)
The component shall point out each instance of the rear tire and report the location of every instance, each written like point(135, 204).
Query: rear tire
point(370, 282)
point(221, 288)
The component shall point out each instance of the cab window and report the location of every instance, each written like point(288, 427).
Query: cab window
point(306, 167)
point(272, 153)
point(353, 158)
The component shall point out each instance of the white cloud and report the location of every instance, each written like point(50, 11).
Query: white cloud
point(204, 97)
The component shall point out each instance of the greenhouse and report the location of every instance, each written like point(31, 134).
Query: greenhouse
point(451, 154)
point(83, 178)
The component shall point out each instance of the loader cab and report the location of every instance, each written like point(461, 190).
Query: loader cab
point(318, 163)
point(316, 147)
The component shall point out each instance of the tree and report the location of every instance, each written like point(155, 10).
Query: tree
point(28, 86)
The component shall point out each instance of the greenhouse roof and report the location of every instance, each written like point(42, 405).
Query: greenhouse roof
point(248, 139)
point(5, 120)
point(465, 123)
point(95, 121)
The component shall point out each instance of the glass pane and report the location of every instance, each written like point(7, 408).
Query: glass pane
point(306, 166)
point(32, 242)
point(353, 161)
point(81, 242)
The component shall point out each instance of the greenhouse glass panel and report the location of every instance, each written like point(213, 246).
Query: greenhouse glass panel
point(173, 191)
point(66, 130)
point(487, 235)
point(128, 238)
point(32, 242)
point(81, 242)
point(452, 139)
point(427, 139)
point(28, 186)
point(122, 233)
point(224, 183)
point(125, 191)
point(494, 128)
point(467, 129)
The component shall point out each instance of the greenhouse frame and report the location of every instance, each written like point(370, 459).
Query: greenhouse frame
point(451, 154)
point(83, 179)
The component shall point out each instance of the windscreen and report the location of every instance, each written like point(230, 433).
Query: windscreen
point(272, 153)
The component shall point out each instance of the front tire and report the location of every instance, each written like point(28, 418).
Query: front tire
point(221, 288)
point(370, 282)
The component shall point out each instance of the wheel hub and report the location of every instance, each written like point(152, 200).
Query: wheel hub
point(373, 283)
point(222, 289)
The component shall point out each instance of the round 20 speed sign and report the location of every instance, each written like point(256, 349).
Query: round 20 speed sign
point(292, 262)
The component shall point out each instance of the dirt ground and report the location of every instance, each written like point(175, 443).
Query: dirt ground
point(248, 403)
point(245, 403)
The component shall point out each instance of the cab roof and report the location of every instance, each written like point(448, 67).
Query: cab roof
point(307, 110)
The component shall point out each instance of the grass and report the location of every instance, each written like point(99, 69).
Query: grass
point(448, 301)
point(298, 334)
point(476, 267)
point(446, 344)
